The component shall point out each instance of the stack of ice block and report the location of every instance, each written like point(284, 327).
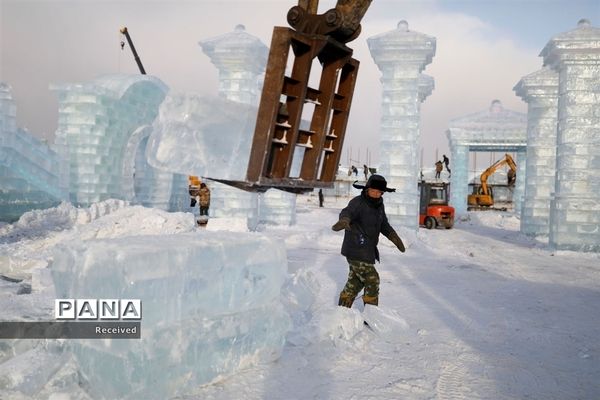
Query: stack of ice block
point(96, 122)
point(496, 129)
point(575, 208)
point(540, 91)
point(401, 55)
point(277, 207)
point(211, 304)
point(29, 168)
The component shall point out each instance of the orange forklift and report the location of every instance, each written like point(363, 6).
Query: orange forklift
point(434, 210)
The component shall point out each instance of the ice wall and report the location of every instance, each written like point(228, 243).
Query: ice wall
point(540, 91)
point(96, 122)
point(30, 171)
point(401, 55)
point(497, 130)
point(211, 304)
point(575, 208)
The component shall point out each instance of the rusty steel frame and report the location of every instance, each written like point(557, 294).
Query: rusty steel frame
point(278, 134)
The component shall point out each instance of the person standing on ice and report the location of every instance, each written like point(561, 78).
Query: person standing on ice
point(363, 220)
point(204, 203)
point(438, 169)
point(446, 163)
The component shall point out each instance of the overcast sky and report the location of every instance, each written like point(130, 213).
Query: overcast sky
point(484, 47)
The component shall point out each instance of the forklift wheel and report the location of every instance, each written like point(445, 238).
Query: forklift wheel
point(429, 223)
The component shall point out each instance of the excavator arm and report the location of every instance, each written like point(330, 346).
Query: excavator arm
point(484, 196)
point(507, 160)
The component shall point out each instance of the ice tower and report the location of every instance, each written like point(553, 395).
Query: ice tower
point(99, 133)
point(492, 130)
point(241, 59)
point(575, 208)
point(30, 171)
point(540, 91)
point(401, 55)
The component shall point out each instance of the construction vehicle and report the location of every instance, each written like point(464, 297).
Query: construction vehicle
point(483, 195)
point(125, 32)
point(278, 137)
point(434, 210)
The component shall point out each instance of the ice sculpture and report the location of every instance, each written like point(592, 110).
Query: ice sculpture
point(575, 208)
point(211, 302)
point(30, 171)
point(401, 55)
point(497, 130)
point(240, 58)
point(540, 91)
point(97, 122)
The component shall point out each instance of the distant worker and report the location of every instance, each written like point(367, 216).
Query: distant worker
point(204, 202)
point(446, 162)
point(355, 170)
point(438, 169)
point(366, 171)
point(321, 198)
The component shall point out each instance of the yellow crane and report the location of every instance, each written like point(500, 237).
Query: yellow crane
point(482, 196)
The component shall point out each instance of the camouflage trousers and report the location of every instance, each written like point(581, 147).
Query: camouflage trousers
point(361, 275)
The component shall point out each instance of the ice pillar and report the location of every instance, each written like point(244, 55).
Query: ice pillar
point(540, 91)
point(401, 55)
point(240, 58)
point(575, 207)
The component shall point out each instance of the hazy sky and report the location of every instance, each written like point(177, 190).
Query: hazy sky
point(484, 47)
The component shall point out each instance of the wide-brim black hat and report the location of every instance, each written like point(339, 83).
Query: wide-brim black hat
point(375, 182)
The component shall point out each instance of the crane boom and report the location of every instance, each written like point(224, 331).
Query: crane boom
point(125, 32)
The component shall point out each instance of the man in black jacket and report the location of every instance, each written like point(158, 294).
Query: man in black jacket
point(363, 220)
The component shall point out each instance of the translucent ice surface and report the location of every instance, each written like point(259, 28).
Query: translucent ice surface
point(211, 304)
point(202, 135)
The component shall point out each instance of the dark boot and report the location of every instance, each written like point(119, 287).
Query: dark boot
point(345, 300)
point(373, 300)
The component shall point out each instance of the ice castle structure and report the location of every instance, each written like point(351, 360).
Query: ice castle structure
point(493, 130)
point(401, 55)
point(540, 91)
point(31, 173)
point(103, 129)
point(575, 205)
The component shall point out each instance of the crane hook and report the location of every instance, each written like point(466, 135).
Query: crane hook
point(122, 45)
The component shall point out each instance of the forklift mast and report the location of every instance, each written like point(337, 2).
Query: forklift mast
point(278, 136)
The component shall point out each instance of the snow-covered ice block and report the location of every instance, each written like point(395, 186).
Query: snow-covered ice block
point(211, 304)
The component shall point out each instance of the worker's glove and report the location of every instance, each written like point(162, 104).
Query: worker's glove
point(397, 241)
point(343, 223)
point(192, 202)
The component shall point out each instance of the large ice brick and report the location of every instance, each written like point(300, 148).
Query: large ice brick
point(210, 300)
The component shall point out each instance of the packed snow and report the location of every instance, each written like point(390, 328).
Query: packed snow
point(475, 312)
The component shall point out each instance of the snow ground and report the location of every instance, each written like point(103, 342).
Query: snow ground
point(476, 312)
